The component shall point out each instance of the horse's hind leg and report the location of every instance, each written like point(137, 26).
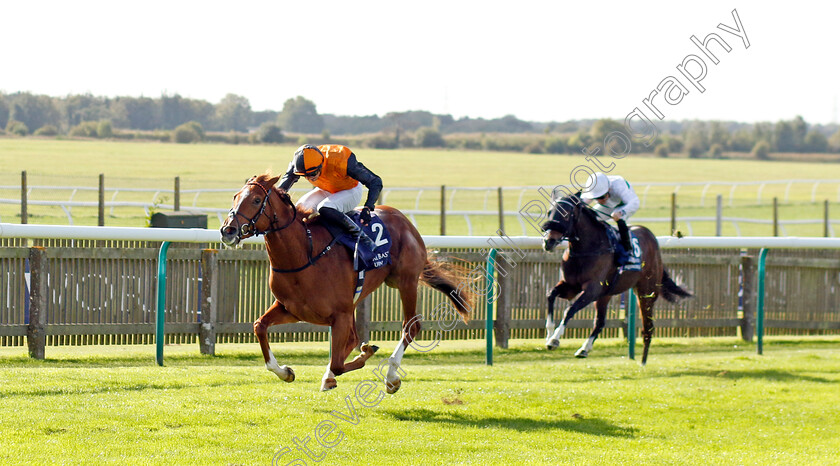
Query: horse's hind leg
point(411, 327)
point(600, 321)
point(646, 306)
point(276, 314)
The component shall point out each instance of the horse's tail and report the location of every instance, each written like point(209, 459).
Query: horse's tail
point(452, 280)
point(670, 290)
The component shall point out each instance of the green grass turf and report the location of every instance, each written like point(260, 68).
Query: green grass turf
point(154, 165)
point(220, 163)
point(698, 401)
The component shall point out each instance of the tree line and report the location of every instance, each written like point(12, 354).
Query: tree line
point(179, 119)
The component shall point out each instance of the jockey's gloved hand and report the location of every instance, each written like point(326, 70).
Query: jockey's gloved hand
point(364, 216)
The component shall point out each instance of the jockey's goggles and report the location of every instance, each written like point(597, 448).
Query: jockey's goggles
point(312, 172)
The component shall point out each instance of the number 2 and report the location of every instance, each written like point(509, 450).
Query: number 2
point(379, 230)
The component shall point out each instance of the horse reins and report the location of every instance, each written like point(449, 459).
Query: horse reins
point(250, 227)
point(312, 260)
point(571, 234)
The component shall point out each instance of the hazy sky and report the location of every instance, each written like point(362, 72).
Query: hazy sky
point(541, 60)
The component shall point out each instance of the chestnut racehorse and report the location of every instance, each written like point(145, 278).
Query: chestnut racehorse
point(313, 280)
point(590, 273)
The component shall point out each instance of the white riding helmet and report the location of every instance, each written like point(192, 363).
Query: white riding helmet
point(596, 186)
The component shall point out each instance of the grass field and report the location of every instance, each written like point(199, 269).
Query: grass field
point(698, 401)
point(154, 166)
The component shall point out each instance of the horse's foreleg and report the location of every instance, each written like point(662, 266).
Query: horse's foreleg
point(342, 337)
point(344, 340)
point(591, 291)
point(350, 344)
point(561, 290)
point(549, 315)
point(275, 315)
point(598, 326)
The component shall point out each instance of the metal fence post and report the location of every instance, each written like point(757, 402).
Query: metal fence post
point(160, 310)
point(488, 323)
point(759, 325)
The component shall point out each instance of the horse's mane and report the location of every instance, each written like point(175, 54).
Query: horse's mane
point(266, 179)
point(589, 211)
point(584, 209)
point(596, 219)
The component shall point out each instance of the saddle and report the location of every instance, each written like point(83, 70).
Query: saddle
point(626, 260)
point(365, 259)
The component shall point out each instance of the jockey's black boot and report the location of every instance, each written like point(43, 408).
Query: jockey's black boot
point(624, 232)
point(337, 218)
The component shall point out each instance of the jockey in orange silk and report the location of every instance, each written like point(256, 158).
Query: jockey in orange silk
point(338, 179)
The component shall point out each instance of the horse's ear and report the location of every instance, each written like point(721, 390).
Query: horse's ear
point(577, 194)
point(273, 180)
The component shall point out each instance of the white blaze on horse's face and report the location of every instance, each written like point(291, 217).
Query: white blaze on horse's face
point(552, 239)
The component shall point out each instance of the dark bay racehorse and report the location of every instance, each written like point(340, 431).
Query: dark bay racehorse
point(313, 279)
point(589, 272)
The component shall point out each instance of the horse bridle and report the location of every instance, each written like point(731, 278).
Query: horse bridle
point(572, 220)
point(571, 233)
point(251, 226)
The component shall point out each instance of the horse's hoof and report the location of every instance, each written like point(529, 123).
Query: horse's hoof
point(285, 373)
point(328, 384)
point(392, 387)
point(366, 348)
point(581, 353)
point(290, 377)
point(552, 344)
